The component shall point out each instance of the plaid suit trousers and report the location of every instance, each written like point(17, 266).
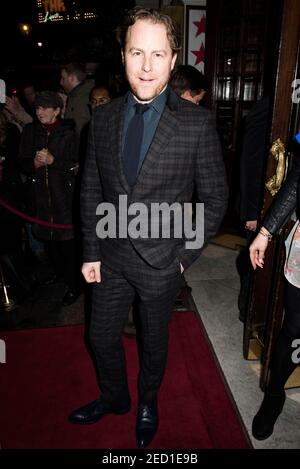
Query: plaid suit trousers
point(127, 277)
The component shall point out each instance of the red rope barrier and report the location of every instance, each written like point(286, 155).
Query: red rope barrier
point(35, 220)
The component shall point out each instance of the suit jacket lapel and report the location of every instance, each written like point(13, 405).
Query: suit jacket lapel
point(116, 124)
point(166, 129)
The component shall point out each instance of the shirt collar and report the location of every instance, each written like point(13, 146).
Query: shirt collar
point(158, 103)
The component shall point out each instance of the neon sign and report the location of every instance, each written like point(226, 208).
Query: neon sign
point(54, 6)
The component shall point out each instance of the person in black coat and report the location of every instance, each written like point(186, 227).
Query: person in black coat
point(252, 173)
point(49, 152)
point(144, 155)
point(286, 354)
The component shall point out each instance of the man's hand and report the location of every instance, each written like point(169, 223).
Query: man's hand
point(257, 250)
point(91, 271)
point(251, 225)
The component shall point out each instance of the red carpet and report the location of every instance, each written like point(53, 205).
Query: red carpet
point(49, 373)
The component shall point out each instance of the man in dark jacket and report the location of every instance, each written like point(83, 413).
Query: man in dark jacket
point(147, 148)
point(75, 83)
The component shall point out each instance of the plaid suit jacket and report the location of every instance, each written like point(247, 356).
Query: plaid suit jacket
point(184, 154)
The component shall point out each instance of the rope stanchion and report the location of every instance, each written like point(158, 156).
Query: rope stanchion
point(6, 303)
point(35, 220)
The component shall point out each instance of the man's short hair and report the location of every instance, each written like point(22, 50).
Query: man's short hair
point(153, 16)
point(75, 69)
point(188, 78)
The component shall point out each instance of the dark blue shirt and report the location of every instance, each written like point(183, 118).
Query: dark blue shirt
point(151, 119)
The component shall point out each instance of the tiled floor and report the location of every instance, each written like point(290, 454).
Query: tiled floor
point(215, 285)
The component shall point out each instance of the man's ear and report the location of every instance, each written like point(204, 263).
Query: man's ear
point(123, 58)
point(202, 94)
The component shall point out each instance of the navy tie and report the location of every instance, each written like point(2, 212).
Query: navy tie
point(133, 143)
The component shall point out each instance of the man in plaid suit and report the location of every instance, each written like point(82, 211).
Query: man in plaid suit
point(179, 151)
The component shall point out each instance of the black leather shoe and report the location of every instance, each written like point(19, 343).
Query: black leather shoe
point(93, 411)
point(70, 298)
point(146, 423)
point(265, 419)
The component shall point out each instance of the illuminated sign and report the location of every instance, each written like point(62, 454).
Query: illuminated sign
point(57, 10)
point(54, 6)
